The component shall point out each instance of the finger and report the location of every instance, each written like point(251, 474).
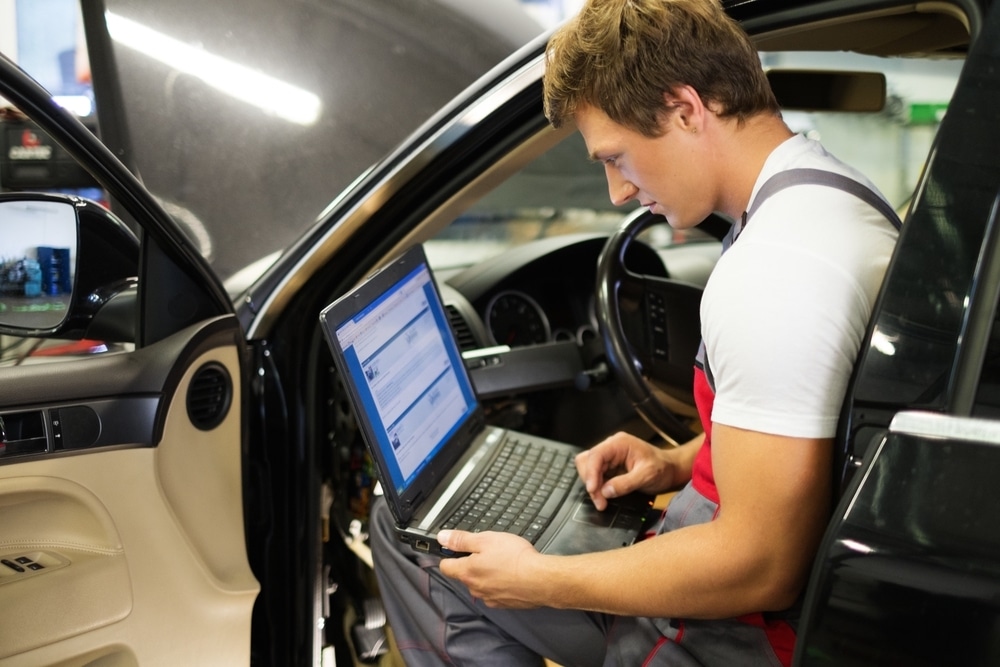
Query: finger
point(451, 567)
point(459, 541)
point(596, 465)
point(593, 463)
point(584, 468)
point(591, 480)
point(618, 485)
point(456, 541)
point(625, 482)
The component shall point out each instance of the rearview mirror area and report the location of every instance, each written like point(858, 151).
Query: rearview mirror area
point(64, 261)
point(828, 90)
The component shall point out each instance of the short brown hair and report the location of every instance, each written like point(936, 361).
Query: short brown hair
point(622, 55)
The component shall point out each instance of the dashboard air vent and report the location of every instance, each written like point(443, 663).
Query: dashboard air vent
point(466, 341)
point(209, 396)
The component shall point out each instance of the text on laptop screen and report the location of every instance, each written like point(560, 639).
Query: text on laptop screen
point(402, 357)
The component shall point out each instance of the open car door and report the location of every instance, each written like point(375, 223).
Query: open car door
point(907, 572)
point(121, 486)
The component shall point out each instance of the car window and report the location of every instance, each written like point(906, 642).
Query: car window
point(988, 394)
point(889, 146)
point(562, 192)
point(52, 48)
point(987, 403)
point(33, 277)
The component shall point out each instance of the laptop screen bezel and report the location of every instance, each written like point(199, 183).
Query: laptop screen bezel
point(402, 503)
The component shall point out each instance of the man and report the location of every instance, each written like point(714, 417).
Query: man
point(669, 95)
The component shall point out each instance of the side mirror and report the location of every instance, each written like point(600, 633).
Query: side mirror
point(63, 260)
point(38, 253)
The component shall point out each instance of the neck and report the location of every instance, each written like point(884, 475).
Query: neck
point(750, 145)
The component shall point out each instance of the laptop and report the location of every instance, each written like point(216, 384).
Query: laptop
point(419, 415)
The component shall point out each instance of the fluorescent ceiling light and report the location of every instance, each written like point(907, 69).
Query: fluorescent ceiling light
point(79, 105)
point(247, 85)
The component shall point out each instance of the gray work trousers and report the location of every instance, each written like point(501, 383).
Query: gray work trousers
point(436, 621)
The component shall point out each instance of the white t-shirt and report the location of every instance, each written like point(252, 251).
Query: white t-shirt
point(786, 307)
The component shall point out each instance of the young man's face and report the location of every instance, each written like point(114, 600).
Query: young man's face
point(667, 173)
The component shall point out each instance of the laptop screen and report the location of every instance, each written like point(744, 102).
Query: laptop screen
point(407, 373)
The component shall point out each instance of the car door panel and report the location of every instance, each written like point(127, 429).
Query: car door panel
point(62, 527)
point(910, 557)
point(137, 542)
point(907, 571)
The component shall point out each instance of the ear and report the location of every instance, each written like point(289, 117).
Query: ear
point(688, 109)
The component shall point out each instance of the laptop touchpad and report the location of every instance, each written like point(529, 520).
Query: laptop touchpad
point(587, 513)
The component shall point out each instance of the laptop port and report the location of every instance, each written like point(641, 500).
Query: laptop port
point(421, 545)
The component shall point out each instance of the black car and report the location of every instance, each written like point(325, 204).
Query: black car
point(199, 492)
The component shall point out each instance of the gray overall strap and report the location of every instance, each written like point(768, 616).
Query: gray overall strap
point(785, 179)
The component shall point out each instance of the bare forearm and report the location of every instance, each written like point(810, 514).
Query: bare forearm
point(696, 572)
point(754, 556)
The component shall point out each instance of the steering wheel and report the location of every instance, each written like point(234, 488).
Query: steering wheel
point(651, 330)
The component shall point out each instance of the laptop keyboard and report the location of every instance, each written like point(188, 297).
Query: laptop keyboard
point(521, 491)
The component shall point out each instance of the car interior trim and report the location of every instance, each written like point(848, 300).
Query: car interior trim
point(878, 32)
point(65, 429)
point(946, 427)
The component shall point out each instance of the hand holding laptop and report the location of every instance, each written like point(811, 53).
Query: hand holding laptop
point(494, 568)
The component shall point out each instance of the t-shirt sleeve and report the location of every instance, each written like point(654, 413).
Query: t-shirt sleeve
point(782, 330)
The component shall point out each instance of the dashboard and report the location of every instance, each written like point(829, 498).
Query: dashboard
point(543, 292)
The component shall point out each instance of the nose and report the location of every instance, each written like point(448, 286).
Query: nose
point(620, 189)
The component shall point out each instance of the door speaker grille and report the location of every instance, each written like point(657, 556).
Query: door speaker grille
point(209, 396)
